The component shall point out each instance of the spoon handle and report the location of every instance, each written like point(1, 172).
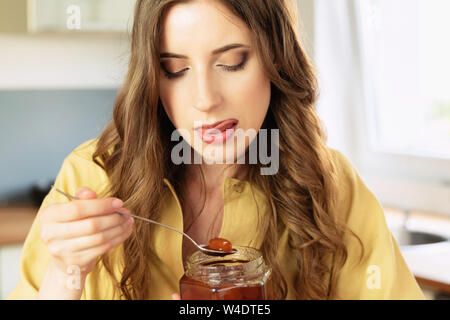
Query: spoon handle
point(137, 217)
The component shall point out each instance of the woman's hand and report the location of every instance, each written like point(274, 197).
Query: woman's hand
point(175, 296)
point(78, 232)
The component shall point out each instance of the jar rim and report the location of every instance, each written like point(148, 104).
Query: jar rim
point(253, 258)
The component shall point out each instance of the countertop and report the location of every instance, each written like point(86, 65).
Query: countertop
point(15, 222)
point(429, 263)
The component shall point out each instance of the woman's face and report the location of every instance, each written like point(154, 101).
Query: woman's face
point(211, 73)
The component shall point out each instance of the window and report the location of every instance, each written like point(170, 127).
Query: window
point(406, 49)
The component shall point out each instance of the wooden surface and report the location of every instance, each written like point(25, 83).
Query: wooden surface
point(434, 285)
point(15, 222)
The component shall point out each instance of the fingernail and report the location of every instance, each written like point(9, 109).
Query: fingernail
point(84, 193)
point(117, 203)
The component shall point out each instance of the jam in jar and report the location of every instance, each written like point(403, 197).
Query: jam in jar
point(242, 275)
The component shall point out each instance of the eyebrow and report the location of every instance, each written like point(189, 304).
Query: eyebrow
point(215, 52)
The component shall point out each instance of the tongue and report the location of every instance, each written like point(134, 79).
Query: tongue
point(224, 125)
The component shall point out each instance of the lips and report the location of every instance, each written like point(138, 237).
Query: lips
point(217, 132)
point(219, 125)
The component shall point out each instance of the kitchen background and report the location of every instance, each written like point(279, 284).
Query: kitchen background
point(384, 98)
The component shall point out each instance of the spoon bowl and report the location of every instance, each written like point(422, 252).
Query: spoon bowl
point(215, 252)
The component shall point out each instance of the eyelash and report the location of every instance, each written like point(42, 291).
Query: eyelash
point(238, 67)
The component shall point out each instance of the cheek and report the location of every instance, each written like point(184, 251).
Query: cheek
point(254, 98)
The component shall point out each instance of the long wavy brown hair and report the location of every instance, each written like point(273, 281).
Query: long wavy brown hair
point(135, 148)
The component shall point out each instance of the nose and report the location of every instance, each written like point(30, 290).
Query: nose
point(208, 92)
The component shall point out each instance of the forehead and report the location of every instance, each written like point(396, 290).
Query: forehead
point(190, 25)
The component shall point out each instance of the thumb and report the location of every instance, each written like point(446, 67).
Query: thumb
point(85, 193)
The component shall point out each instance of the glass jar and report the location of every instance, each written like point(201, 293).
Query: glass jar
point(242, 275)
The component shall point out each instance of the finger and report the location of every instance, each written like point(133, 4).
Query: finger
point(176, 296)
point(86, 227)
point(127, 216)
point(81, 209)
point(85, 256)
point(98, 239)
point(85, 193)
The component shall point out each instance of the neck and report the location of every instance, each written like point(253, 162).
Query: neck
point(214, 174)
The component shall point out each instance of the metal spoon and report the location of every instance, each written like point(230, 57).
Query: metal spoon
point(201, 247)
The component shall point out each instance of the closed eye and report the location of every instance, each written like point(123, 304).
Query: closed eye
point(170, 75)
point(235, 68)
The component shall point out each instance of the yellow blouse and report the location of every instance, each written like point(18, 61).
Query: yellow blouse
point(382, 274)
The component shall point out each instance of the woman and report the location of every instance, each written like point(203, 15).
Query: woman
point(199, 62)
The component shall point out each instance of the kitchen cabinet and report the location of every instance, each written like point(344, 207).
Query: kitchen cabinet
point(76, 16)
